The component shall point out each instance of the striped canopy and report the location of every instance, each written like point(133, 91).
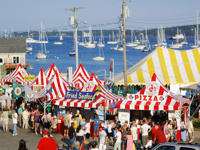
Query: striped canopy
point(17, 75)
point(154, 96)
point(80, 77)
point(172, 67)
point(104, 98)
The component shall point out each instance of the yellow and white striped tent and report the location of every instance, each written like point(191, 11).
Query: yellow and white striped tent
point(171, 66)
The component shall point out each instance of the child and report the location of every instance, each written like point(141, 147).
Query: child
point(54, 123)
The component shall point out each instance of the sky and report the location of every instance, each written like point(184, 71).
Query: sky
point(19, 15)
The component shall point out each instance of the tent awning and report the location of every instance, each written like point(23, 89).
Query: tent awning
point(172, 67)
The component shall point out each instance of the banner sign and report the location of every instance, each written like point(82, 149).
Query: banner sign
point(124, 116)
point(29, 77)
point(141, 97)
point(17, 91)
point(80, 95)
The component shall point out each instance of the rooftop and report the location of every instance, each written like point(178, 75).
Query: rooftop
point(12, 45)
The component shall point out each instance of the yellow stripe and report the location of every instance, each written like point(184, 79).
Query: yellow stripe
point(150, 67)
point(187, 66)
point(196, 58)
point(140, 75)
point(175, 66)
point(163, 65)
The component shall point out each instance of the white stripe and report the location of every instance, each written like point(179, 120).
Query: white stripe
point(169, 65)
point(145, 71)
point(194, 66)
point(181, 67)
point(157, 66)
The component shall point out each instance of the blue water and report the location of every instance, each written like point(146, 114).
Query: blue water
point(59, 55)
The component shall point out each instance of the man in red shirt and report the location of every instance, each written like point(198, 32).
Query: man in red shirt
point(46, 143)
point(159, 135)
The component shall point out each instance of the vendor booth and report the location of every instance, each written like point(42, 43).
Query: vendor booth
point(155, 96)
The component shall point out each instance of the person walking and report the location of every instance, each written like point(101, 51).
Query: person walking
point(20, 112)
point(25, 117)
point(118, 137)
point(36, 120)
point(190, 130)
point(103, 139)
point(145, 131)
point(14, 119)
point(129, 137)
point(5, 119)
point(72, 136)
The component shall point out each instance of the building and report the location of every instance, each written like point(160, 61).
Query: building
point(12, 53)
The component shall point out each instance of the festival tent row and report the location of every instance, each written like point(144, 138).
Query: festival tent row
point(154, 96)
point(104, 97)
point(52, 85)
point(172, 67)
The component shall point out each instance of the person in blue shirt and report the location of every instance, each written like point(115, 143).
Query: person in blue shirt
point(96, 125)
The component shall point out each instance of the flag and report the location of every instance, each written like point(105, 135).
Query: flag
point(111, 65)
point(29, 93)
point(17, 90)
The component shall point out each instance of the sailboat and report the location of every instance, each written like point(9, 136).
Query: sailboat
point(101, 41)
point(30, 39)
point(60, 38)
point(161, 40)
point(132, 43)
point(90, 43)
point(41, 54)
point(177, 37)
point(101, 55)
point(113, 41)
point(28, 48)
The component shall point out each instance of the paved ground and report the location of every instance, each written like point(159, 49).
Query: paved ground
point(8, 142)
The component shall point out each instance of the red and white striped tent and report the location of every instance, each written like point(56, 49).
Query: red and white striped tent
point(17, 75)
point(58, 83)
point(80, 77)
point(51, 71)
point(154, 96)
point(59, 87)
point(41, 79)
point(104, 97)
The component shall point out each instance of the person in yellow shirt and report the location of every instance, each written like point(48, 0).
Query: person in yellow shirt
point(78, 114)
point(75, 122)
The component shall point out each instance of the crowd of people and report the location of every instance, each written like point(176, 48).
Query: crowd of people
point(83, 132)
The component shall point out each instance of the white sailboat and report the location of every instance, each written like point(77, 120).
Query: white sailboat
point(101, 40)
point(144, 45)
point(30, 39)
point(90, 43)
point(177, 37)
point(101, 55)
point(60, 38)
point(161, 40)
point(132, 43)
point(113, 41)
point(41, 54)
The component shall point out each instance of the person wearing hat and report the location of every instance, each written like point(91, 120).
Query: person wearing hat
point(190, 130)
point(46, 143)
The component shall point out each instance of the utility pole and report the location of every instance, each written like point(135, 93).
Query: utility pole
point(75, 23)
point(124, 15)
